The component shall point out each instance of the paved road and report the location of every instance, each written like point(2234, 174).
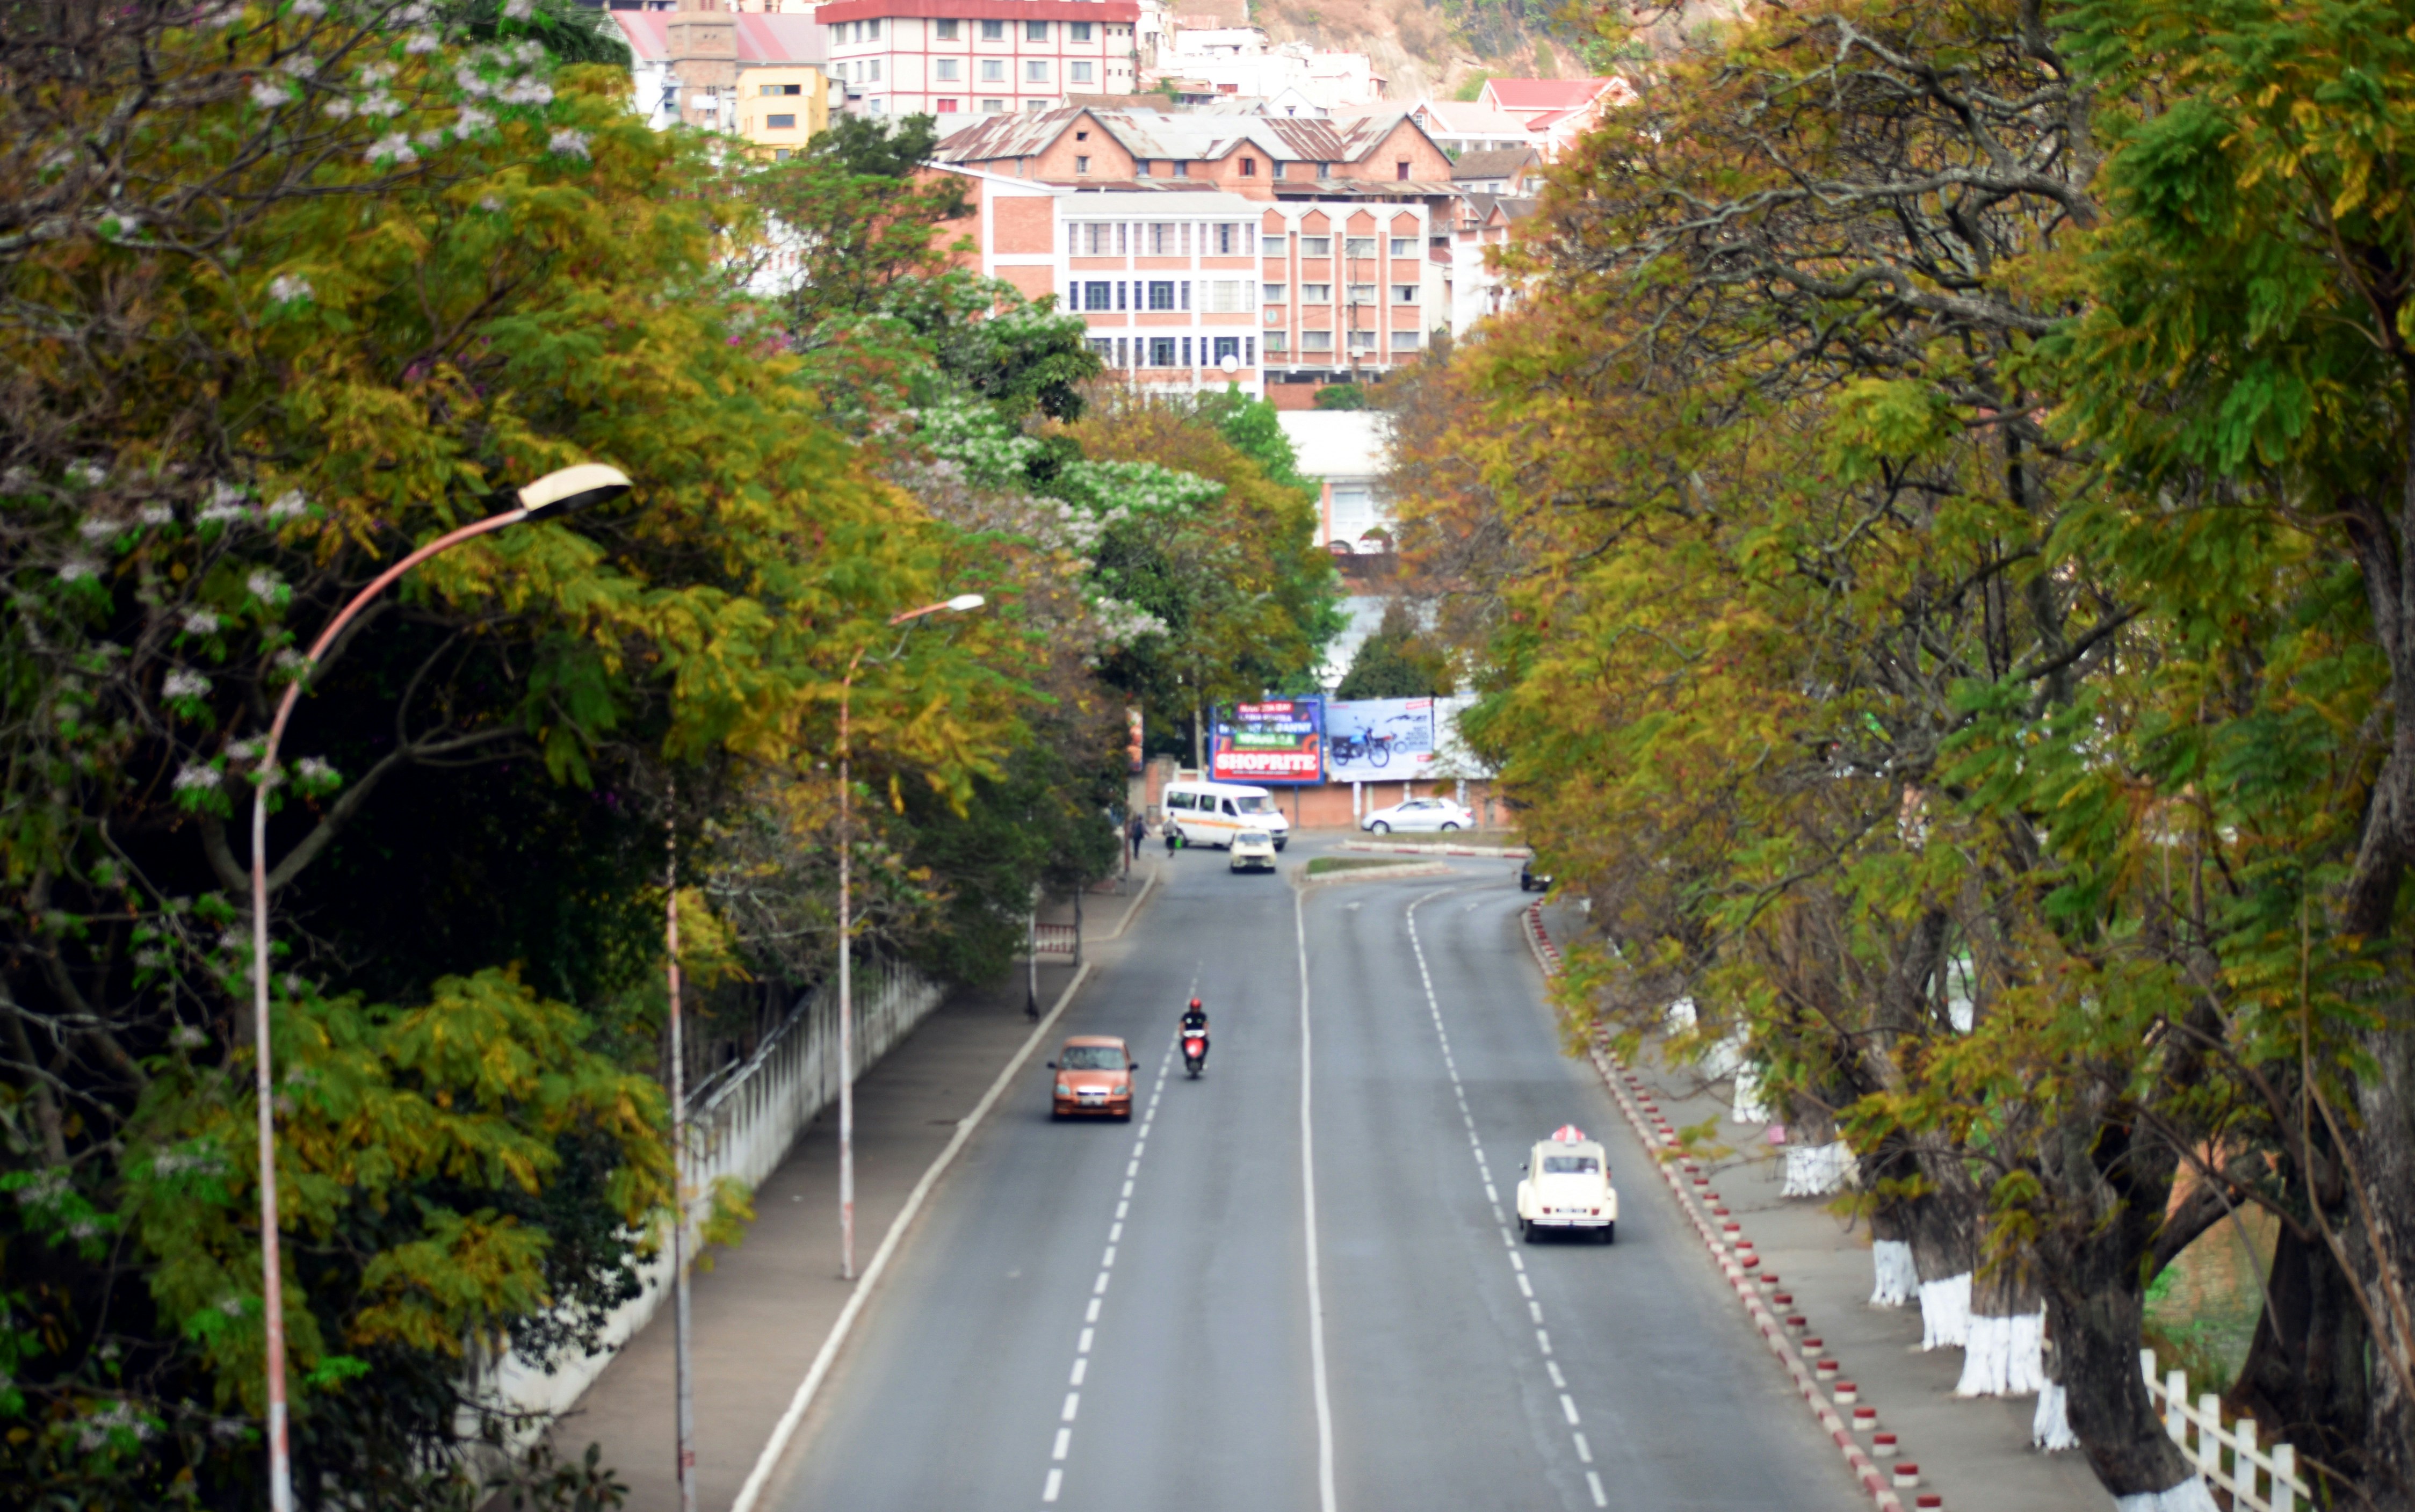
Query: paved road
point(1101, 1316)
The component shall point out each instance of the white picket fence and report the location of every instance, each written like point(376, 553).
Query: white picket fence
point(742, 1125)
point(2264, 1479)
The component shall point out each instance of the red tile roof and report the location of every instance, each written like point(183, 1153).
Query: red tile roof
point(773, 40)
point(1543, 94)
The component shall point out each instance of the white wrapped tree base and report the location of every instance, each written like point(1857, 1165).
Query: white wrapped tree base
point(2191, 1495)
point(1895, 1277)
point(1945, 1312)
point(1814, 1169)
point(2003, 1356)
point(2050, 1430)
point(1749, 1107)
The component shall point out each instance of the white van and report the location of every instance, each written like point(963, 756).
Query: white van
point(1211, 813)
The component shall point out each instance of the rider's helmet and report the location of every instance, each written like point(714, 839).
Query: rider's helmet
point(1194, 1005)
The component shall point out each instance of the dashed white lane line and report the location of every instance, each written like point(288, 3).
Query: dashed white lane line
point(1484, 1172)
point(1063, 1445)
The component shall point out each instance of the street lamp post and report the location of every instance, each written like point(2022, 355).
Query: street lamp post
point(962, 603)
point(554, 494)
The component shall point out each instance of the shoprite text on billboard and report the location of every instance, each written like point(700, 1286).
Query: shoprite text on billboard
point(1278, 740)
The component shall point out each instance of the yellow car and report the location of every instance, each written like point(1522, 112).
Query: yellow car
point(1253, 850)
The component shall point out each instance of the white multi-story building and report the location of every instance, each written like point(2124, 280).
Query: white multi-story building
point(954, 58)
point(1240, 61)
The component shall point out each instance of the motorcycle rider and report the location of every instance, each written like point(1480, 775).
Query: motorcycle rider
point(1195, 1021)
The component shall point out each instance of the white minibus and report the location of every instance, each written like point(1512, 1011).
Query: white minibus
point(1211, 813)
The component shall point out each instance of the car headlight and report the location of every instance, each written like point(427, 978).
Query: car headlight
point(1064, 1089)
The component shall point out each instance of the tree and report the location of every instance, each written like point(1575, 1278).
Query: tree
point(1396, 663)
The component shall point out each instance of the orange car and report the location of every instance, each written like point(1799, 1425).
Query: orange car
point(1093, 1075)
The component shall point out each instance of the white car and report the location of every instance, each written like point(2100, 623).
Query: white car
point(1418, 813)
point(1251, 849)
point(1566, 1188)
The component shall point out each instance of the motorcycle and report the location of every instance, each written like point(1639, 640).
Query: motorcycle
point(1195, 1051)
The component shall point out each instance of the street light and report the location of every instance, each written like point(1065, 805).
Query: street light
point(961, 604)
point(550, 497)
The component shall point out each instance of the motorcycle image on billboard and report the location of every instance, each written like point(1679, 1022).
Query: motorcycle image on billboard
point(1275, 741)
point(1380, 740)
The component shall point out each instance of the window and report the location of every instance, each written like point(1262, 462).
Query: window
point(1186, 362)
point(1227, 346)
point(1140, 168)
point(1082, 73)
point(1316, 246)
point(1097, 297)
point(780, 123)
point(1160, 235)
point(1405, 341)
point(1271, 246)
point(1249, 167)
point(1035, 71)
point(1228, 238)
point(993, 107)
point(1033, 107)
point(1325, 170)
point(1161, 294)
point(1316, 341)
point(948, 68)
point(1077, 31)
point(1104, 349)
point(1161, 352)
point(780, 155)
point(1181, 170)
point(1358, 247)
point(993, 31)
point(943, 106)
point(1362, 294)
point(1227, 296)
point(1404, 293)
point(859, 31)
point(1405, 247)
point(875, 74)
point(1317, 294)
point(944, 30)
point(993, 71)
point(1081, 136)
point(1278, 170)
point(1037, 31)
point(1272, 294)
point(1362, 340)
point(1277, 341)
point(1082, 165)
point(1400, 171)
point(784, 89)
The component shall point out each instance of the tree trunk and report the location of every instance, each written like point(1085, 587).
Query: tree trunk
point(1894, 1278)
point(2305, 1376)
point(2005, 1356)
point(1942, 1225)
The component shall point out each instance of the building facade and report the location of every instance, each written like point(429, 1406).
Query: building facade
point(705, 65)
point(951, 59)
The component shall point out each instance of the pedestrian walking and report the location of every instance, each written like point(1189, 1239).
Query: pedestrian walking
point(1136, 832)
point(1173, 834)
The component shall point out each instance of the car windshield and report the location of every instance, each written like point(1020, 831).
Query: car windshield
point(1093, 1059)
point(1571, 1165)
point(1254, 803)
point(1252, 837)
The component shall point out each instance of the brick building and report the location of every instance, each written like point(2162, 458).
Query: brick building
point(954, 58)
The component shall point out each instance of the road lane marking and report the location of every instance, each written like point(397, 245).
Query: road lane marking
point(1326, 1500)
point(1055, 1480)
point(1100, 1289)
point(758, 1478)
point(1108, 1260)
point(1567, 1405)
point(1073, 1404)
point(1115, 1236)
point(1092, 1316)
point(1064, 1442)
point(1084, 1347)
point(1082, 1367)
point(1484, 1171)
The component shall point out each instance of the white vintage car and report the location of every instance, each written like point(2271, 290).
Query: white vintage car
point(1252, 849)
point(1566, 1186)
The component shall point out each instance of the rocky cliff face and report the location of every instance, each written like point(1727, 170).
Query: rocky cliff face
point(1426, 50)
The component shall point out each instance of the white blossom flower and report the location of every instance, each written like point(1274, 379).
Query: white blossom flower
point(308, 7)
point(196, 778)
point(223, 15)
point(292, 662)
point(243, 750)
point(518, 10)
point(394, 145)
point(470, 83)
point(269, 94)
point(382, 105)
point(568, 143)
point(300, 65)
point(264, 584)
point(422, 42)
point(288, 504)
point(491, 203)
point(412, 15)
point(98, 529)
point(339, 107)
point(230, 1306)
point(376, 73)
point(184, 684)
point(526, 92)
point(200, 622)
point(76, 569)
point(287, 287)
point(313, 771)
point(432, 137)
point(529, 50)
point(150, 960)
point(156, 514)
point(472, 121)
point(18, 479)
point(86, 474)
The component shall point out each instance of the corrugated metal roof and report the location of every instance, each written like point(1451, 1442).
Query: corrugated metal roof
point(1499, 163)
point(1160, 136)
point(1544, 93)
point(762, 39)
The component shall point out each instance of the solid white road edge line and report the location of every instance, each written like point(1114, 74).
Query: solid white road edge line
point(1324, 1496)
point(759, 1478)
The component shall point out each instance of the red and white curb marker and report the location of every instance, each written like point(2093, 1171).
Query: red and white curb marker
point(1734, 1254)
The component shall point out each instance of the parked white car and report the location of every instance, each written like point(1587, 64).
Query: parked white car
point(1566, 1188)
point(1418, 813)
point(1252, 849)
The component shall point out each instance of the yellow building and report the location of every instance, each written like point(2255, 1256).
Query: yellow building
point(780, 106)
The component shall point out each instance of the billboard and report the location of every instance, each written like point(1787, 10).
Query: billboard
point(1397, 740)
point(1380, 740)
point(1278, 740)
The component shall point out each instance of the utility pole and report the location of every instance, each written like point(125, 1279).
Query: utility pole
point(680, 1328)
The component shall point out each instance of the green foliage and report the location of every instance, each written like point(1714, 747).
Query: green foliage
point(1397, 662)
point(1342, 396)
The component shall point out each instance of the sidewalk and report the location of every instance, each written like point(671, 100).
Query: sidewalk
point(1973, 1452)
point(762, 1312)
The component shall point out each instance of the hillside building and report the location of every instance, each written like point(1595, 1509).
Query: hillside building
point(756, 75)
point(955, 58)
